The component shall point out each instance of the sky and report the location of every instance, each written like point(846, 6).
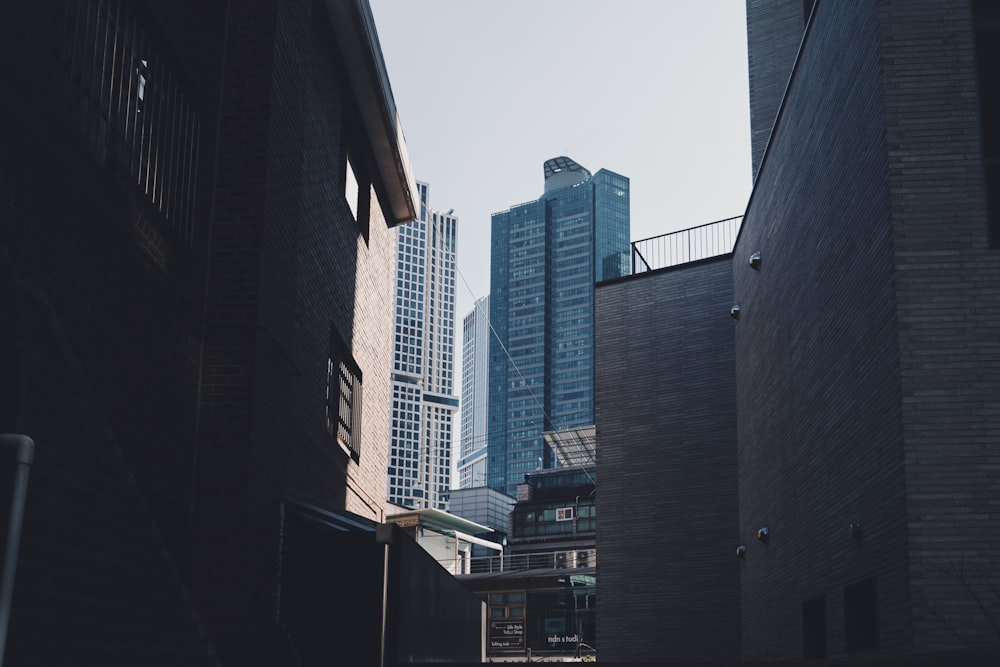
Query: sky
point(655, 90)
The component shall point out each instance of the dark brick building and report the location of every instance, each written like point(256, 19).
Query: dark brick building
point(668, 582)
point(868, 366)
point(866, 354)
point(196, 277)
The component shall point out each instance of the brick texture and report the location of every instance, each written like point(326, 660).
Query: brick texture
point(774, 32)
point(947, 294)
point(667, 576)
point(289, 265)
point(820, 427)
point(867, 365)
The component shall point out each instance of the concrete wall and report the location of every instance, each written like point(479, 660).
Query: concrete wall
point(667, 533)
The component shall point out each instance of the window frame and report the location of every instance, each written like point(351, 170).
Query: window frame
point(344, 383)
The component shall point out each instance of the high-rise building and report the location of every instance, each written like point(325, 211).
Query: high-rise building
point(546, 256)
point(423, 365)
point(475, 395)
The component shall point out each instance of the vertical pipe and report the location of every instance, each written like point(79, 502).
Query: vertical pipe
point(22, 450)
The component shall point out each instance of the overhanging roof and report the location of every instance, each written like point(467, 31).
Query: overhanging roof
point(438, 520)
point(354, 27)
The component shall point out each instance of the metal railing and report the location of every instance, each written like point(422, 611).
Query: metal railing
point(686, 245)
point(570, 558)
point(130, 101)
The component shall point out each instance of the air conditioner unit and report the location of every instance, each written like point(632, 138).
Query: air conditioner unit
point(564, 514)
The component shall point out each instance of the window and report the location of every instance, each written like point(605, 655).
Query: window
point(861, 615)
point(357, 192)
point(343, 397)
point(564, 514)
point(506, 605)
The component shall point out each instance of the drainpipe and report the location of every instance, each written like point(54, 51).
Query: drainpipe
point(383, 536)
point(21, 449)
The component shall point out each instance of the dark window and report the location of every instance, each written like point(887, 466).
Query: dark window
point(506, 605)
point(343, 397)
point(814, 628)
point(861, 615)
point(357, 191)
point(986, 21)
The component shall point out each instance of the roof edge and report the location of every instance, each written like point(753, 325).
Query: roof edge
point(354, 27)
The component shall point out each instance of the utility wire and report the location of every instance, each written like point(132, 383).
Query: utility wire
point(486, 316)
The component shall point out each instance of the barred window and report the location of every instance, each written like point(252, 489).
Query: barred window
point(343, 397)
point(131, 102)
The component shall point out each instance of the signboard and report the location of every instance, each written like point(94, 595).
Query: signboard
point(506, 635)
point(559, 641)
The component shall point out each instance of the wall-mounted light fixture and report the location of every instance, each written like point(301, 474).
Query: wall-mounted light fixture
point(741, 551)
point(755, 261)
point(734, 312)
point(763, 534)
point(857, 530)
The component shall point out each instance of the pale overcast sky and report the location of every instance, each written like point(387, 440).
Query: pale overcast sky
point(655, 90)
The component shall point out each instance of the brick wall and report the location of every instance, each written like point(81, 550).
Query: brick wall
point(946, 280)
point(289, 264)
point(820, 424)
point(667, 574)
point(102, 306)
point(774, 32)
point(221, 527)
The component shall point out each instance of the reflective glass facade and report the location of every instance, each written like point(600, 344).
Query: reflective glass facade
point(546, 257)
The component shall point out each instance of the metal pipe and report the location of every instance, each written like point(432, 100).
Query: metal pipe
point(21, 449)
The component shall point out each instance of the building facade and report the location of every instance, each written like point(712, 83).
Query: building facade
point(868, 375)
point(423, 407)
point(471, 465)
point(197, 268)
point(666, 458)
point(541, 594)
point(864, 367)
point(483, 505)
point(545, 258)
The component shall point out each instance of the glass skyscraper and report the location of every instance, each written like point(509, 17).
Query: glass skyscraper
point(475, 395)
point(546, 256)
point(423, 406)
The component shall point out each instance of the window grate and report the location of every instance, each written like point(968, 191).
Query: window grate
point(129, 103)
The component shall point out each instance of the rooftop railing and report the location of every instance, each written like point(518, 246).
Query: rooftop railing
point(573, 558)
point(687, 245)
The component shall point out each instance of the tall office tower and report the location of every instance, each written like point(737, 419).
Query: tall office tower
point(546, 256)
point(423, 364)
point(475, 395)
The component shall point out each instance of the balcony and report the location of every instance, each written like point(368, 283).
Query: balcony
point(543, 560)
